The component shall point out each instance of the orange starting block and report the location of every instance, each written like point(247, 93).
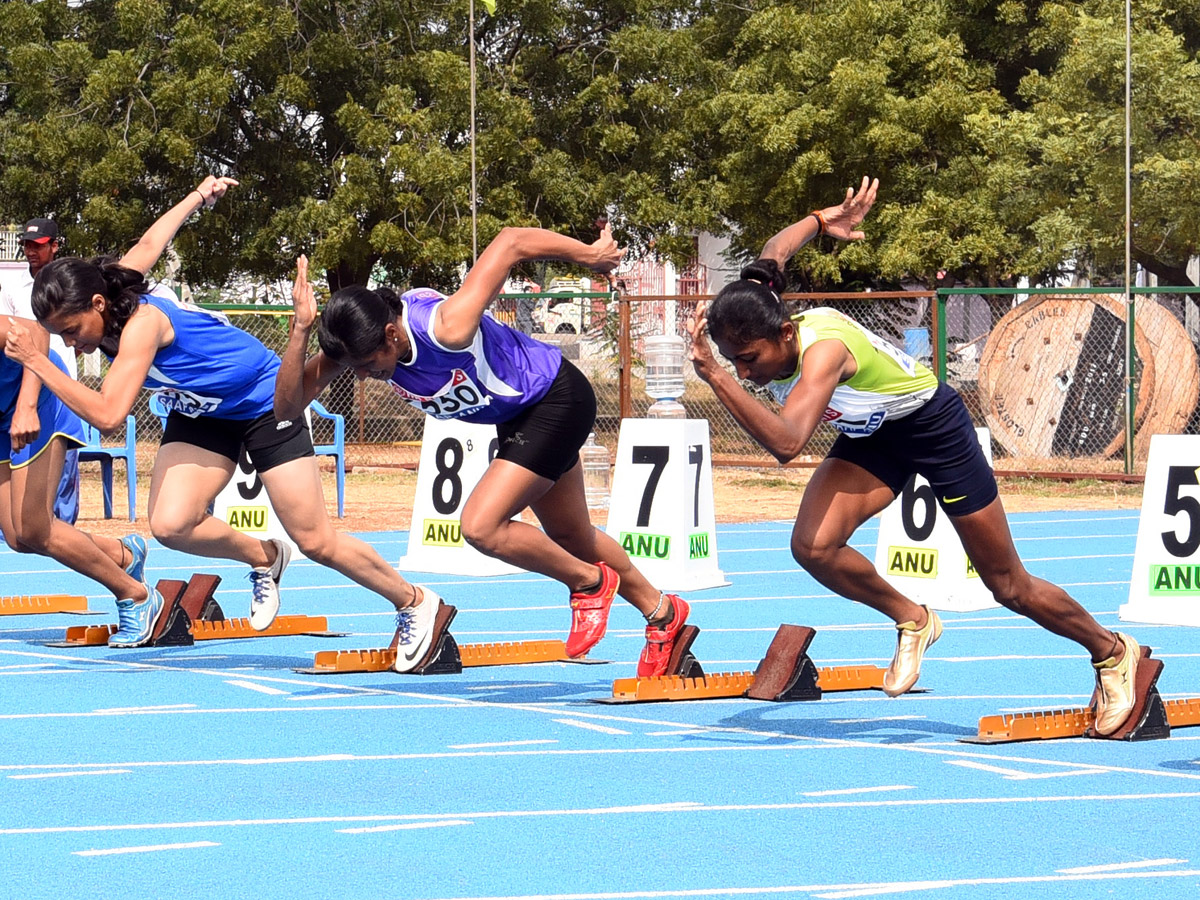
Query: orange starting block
point(39, 604)
point(1151, 719)
point(786, 673)
point(448, 657)
point(193, 614)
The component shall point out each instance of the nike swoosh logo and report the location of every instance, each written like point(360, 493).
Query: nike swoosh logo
point(954, 499)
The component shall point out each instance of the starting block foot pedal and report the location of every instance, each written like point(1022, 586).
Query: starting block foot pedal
point(787, 672)
point(174, 628)
point(1148, 721)
point(198, 600)
point(682, 664)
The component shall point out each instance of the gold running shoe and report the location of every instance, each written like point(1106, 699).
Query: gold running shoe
point(1114, 695)
point(911, 644)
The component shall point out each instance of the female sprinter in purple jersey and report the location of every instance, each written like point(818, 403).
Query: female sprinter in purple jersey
point(35, 432)
point(445, 356)
point(895, 420)
point(218, 383)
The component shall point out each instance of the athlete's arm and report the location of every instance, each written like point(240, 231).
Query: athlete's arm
point(457, 319)
point(785, 434)
point(298, 382)
point(25, 425)
point(840, 222)
point(145, 253)
point(147, 330)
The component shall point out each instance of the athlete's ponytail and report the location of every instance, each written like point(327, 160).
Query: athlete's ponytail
point(352, 324)
point(750, 308)
point(68, 286)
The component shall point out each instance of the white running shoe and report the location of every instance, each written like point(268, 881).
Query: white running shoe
point(414, 630)
point(264, 586)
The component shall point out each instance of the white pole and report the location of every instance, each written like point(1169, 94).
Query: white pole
point(1129, 309)
point(474, 195)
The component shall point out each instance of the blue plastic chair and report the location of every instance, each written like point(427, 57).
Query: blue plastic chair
point(337, 450)
point(95, 452)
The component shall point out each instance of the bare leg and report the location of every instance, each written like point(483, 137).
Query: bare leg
point(295, 491)
point(35, 529)
point(988, 542)
point(838, 499)
point(569, 547)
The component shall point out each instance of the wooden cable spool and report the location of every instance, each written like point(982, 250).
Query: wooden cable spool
point(1052, 376)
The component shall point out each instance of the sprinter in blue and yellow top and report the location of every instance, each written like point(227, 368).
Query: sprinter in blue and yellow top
point(894, 420)
point(219, 384)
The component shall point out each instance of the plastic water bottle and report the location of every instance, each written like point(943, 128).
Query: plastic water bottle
point(664, 366)
point(596, 473)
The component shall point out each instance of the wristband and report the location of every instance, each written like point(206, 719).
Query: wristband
point(816, 214)
point(203, 199)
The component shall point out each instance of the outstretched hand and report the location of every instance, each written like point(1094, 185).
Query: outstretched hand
point(213, 189)
point(608, 254)
point(842, 221)
point(304, 301)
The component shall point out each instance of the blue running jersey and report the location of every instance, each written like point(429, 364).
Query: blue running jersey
point(212, 368)
point(500, 375)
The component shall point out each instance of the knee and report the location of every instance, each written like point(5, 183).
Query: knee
point(319, 545)
point(811, 554)
point(172, 529)
point(1009, 589)
point(30, 538)
point(483, 536)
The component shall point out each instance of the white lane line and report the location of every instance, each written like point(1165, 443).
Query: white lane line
point(1017, 774)
point(1117, 867)
point(138, 709)
point(508, 687)
point(255, 686)
point(899, 887)
point(862, 790)
point(682, 806)
point(500, 744)
point(590, 726)
point(677, 733)
point(75, 774)
point(151, 849)
point(407, 825)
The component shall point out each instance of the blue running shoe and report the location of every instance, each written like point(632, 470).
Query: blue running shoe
point(136, 621)
point(136, 545)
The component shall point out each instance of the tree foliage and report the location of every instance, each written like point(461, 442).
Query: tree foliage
point(995, 126)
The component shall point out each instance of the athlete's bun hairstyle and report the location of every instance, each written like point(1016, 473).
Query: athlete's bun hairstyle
point(351, 327)
point(750, 308)
point(68, 285)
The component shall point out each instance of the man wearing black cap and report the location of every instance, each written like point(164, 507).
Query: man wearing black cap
point(39, 243)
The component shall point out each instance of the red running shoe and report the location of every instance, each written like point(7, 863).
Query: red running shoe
point(589, 613)
point(661, 641)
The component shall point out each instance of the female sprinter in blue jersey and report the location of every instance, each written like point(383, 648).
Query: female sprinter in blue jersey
point(218, 382)
point(35, 432)
point(894, 420)
point(446, 357)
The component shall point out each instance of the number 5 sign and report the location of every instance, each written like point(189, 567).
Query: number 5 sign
point(1165, 586)
point(661, 509)
point(919, 552)
point(454, 456)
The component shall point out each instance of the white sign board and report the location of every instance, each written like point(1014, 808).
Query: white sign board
point(244, 504)
point(661, 509)
point(1165, 586)
point(454, 456)
point(919, 552)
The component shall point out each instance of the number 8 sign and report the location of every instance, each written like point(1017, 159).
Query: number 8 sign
point(454, 456)
point(1165, 586)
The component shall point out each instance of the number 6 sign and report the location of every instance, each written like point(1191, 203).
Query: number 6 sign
point(1165, 586)
point(454, 456)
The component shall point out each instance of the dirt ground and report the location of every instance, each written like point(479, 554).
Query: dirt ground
point(381, 500)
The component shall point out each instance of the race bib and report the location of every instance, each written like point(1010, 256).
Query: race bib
point(460, 397)
point(187, 403)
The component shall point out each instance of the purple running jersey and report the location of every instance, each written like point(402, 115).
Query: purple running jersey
point(500, 375)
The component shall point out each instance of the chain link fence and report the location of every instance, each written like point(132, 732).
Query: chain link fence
point(1043, 370)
